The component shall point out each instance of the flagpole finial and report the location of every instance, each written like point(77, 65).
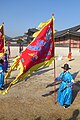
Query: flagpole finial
point(52, 14)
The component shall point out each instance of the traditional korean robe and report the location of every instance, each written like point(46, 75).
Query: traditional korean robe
point(65, 94)
point(1, 76)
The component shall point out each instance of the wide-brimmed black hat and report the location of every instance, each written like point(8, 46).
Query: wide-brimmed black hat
point(66, 67)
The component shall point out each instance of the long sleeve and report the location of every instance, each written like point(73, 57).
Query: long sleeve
point(57, 79)
point(60, 77)
point(71, 83)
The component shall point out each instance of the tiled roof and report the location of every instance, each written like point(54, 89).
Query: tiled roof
point(72, 31)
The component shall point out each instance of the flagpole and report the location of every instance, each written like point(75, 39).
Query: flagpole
point(8, 49)
point(54, 65)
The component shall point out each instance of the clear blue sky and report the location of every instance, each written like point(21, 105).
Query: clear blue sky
point(20, 15)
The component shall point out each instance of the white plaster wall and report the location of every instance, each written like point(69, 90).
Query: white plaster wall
point(63, 51)
point(59, 51)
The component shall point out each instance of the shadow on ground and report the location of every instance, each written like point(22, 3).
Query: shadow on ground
point(38, 72)
point(75, 115)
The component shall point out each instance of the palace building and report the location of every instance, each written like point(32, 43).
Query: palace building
point(68, 38)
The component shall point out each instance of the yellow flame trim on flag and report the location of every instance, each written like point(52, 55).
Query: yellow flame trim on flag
point(28, 73)
point(36, 33)
point(40, 26)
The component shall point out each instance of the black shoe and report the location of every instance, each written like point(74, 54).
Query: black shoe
point(2, 88)
point(66, 106)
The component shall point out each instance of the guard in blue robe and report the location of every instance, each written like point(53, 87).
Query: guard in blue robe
point(1, 74)
point(65, 90)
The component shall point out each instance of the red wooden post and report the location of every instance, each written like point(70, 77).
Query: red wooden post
point(8, 49)
point(69, 54)
point(79, 44)
point(69, 43)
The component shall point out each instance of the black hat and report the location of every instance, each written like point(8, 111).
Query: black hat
point(66, 67)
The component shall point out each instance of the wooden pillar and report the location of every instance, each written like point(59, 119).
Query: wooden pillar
point(69, 38)
point(73, 41)
point(8, 49)
point(79, 44)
